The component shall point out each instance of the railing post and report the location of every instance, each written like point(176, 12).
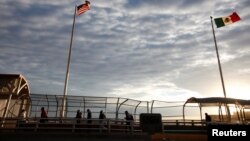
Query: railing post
point(132, 126)
point(108, 122)
point(37, 124)
point(74, 125)
point(162, 126)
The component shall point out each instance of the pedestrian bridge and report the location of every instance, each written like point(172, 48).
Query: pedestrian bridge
point(177, 117)
point(15, 95)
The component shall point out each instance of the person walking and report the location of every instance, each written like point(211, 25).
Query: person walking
point(44, 115)
point(89, 116)
point(102, 117)
point(78, 116)
point(129, 121)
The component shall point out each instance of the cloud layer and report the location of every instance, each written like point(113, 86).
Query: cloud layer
point(142, 49)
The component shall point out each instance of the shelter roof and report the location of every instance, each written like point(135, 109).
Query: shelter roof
point(214, 101)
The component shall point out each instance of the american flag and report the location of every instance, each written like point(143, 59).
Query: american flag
point(83, 8)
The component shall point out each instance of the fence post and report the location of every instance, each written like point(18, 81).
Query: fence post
point(132, 126)
point(37, 124)
point(73, 125)
point(108, 122)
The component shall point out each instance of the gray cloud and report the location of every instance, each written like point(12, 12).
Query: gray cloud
point(135, 49)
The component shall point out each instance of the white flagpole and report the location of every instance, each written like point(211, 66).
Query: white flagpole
point(218, 58)
point(68, 68)
point(220, 69)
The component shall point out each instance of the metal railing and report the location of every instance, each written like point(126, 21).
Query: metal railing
point(69, 125)
point(187, 126)
point(97, 126)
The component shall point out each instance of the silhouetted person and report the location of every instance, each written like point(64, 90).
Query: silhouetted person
point(78, 116)
point(129, 120)
point(22, 115)
point(89, 116)
point(208, 118)
point(101, 120)
point(44, 115)
point(22, 118)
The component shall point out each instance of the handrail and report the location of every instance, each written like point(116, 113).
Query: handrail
point(105, 126)
point(70, 124)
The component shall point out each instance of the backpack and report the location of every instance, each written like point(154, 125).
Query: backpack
point(131, 117)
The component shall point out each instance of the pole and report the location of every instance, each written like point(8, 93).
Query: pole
point(221, 75)
point(68, 66)
point(218, 58)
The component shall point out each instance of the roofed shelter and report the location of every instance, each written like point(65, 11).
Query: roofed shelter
point(14, 95)
point(221, 102)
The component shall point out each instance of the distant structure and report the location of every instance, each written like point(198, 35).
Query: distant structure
point(14, 95)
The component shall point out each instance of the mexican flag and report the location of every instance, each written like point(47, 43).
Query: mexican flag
point(223, 21)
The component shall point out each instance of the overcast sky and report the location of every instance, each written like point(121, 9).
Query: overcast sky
point(139, 49)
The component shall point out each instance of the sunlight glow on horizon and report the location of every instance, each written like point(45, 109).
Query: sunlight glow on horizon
point(240, 91)
point(236, 90)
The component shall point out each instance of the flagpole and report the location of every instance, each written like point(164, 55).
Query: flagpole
point(218, 58)
point(68, 68)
